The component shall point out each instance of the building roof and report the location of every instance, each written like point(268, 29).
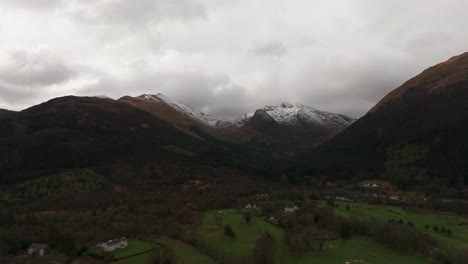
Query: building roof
point(37, 246)
point(116, 241)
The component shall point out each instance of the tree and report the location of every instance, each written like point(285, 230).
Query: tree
point(54, 235)
point(218, 220)
point(322, 243)
point(316, 218)
point(108, 257)
point(268, 208)
point(284, 179)
point(247, 217)
point(163, 256)
point(297, 242)
point(68, 245)
point(345, 231)
point(229, 232)
point(263, 250)
point(402, 166)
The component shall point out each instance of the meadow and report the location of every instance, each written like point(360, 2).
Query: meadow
point(356, 250)
point(186, 254)
point(135, 247)
point(423, 220)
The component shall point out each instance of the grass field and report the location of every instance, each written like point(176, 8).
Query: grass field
point(134, 247)
point(421, 218)
point(186, 254)
point(359, 250)
point(139, 259)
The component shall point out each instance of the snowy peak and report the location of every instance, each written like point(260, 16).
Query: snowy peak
point(289, 114)
point(284, 114)
point(183, 109)
point(161, 98)
point(286, 105)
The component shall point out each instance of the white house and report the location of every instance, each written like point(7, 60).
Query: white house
point(291, 208)
point(249, 206)
point(39, 249)
point(113, 244)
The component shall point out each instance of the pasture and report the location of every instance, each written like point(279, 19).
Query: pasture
point(423, 220)
point(135, 247)
point(357, 250)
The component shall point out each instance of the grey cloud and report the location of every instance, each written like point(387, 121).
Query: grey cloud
point(271, 49)
point(352, 85)
point(34, 4)
point(26, 75)
point(207, 92)
point(10, 94)
point(339, 57)
point(26, 67)
point(141, 12)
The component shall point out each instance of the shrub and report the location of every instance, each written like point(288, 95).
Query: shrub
point(163, 256)
point(229, 232)
point(263, 251)
point(403, 238)
point(345, 231)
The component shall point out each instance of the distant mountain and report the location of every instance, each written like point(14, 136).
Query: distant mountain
point(185, 110)
point(301, 115)
point(75, 132)
point(422, 124)
point(295, 124)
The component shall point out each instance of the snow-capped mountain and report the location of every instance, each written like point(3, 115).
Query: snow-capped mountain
point(181, 108)
point(284, 114)
point(288, 114)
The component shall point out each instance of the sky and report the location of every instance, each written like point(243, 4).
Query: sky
point(224, 57)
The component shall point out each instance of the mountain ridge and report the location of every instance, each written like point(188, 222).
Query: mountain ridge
point(425, 120)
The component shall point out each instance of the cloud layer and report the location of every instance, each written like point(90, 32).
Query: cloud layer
point(224, 57)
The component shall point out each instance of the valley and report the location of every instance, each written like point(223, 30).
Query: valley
point(150, 180)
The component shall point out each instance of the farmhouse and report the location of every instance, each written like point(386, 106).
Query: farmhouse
point(291, 208)
point(249, 206)
point(272, 220)
point(36, 249)
point(113, 244)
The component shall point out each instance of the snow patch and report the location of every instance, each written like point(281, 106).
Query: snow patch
point(285, 114)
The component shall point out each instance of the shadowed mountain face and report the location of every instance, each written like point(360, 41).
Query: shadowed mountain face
point(4, 112)
point(72, 132)
point(426, 117)
point(76, 132)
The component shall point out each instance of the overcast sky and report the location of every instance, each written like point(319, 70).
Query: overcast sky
point(224, 57)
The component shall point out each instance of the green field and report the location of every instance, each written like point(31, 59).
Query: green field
point(186, 254)
point(134, 247)
point(139, 259)
point(421, 218)
point(359, 250)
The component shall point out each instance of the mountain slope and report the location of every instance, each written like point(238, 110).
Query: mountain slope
point(4, 112)
point(294, 115)
point(423, 123)
point(73, 132)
